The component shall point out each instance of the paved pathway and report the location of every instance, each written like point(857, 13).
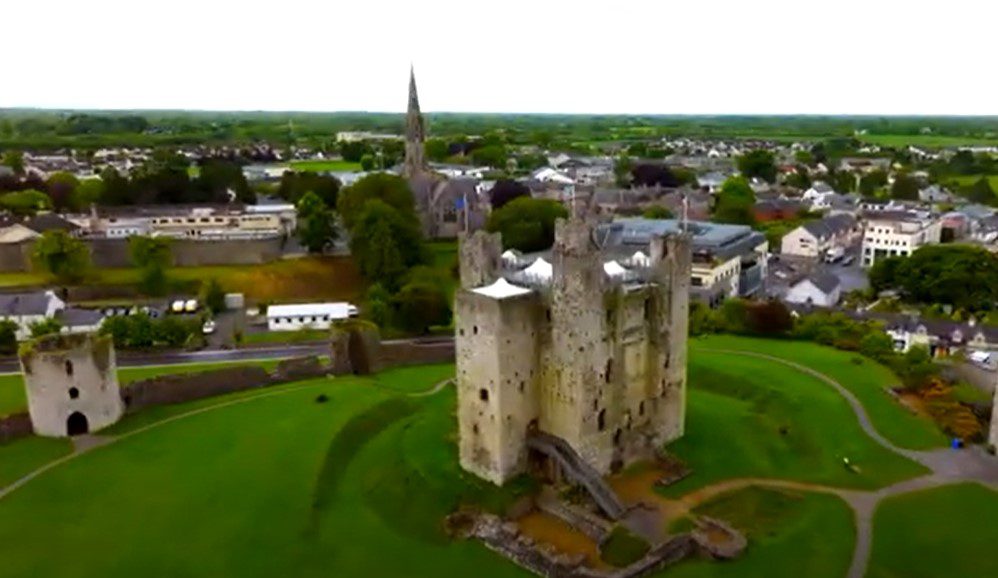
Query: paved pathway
point(947, 466)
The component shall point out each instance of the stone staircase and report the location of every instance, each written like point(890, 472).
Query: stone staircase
point(575, 468)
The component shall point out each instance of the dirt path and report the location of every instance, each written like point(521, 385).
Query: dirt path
point(947, 467)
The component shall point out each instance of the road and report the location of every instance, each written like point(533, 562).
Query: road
point(125, 359)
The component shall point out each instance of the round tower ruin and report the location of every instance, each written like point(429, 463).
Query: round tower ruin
point(71, 383)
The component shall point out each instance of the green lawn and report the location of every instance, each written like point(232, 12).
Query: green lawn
point(947, 531)
point(358, 486)
point(867, 380)
point(790, 535)
point(750, 418)
point(323, 166)
point(12, 398)
point(286, 336)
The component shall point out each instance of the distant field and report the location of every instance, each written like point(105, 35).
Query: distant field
point(966, 181)
point(323, 166)
point(306, 278)
point(926, 140)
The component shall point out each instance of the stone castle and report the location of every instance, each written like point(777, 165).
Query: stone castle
point(72, 384)
point(584, 350)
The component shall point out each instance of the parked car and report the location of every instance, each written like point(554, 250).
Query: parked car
point(208, 328)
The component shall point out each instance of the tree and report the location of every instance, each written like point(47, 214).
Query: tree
point(152, 256)
point(842, 181)
point(527, 224)
point(529, 162)
point(115, 189)
point(62, 256)
point(294, 185)
point(353, 151)
point(877, 345)
point(15, 161)
point(26, 202)
point(420, 305)
point(390, 189)
point(436, 150)
point(622, 167)
point(49, 326)
point(505, 190)
point(653, 175)
point(758, 163)
point(367, 162)
point(769, 318)
point(217, 177)
point(8, 337)
point(963, 276)
point(385, 244)
point(316, 224)
point(213, 296)
point(799, 178)
point(657, 212)
point(735, 202)
point(872, 182)
point(905, 187)
point(981, 192)
point(61, 187)
point(494, 156)
point(379, 305)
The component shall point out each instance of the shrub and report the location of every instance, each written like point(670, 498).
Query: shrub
point(623, 548)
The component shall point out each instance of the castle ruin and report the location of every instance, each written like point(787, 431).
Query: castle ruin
point(584, 353)
point(72, 384)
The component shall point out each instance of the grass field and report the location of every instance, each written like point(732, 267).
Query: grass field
point(947, 531)
point(280, 484)
point(324, 166)
point(750, 418)
point(12, 398)
point(790, 535)
point(359, 484)
point(866, 380)
point(924, 140)
point(966, 181)
point(306, 278)
point(299, 336)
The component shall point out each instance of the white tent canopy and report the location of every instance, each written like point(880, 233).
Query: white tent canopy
point(539, 269)
point(501, 289)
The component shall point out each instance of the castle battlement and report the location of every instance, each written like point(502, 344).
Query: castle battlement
point(580, 344)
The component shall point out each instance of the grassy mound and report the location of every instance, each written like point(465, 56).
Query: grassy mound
point(946, 531)
point(623, 548)
point(790, 535)
point(747, 417)
point(866, 380)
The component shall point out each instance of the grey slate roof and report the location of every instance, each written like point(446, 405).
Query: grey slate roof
point(17, 304)
point(825, 282)
point(73, 317)
point(50, 222)
point(831, 225)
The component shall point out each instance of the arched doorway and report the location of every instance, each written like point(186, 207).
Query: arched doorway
point(77, 424)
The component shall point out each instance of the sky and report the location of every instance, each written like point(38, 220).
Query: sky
point(544, 56)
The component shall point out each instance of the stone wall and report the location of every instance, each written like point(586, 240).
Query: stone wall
point(181, 387)
point(399, 353)
point(993, 438)
point(15, 426)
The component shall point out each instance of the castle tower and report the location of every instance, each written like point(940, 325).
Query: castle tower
point(576, 406)
point(71, 383)
point(415, 134)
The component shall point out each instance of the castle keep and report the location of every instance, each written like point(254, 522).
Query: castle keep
point(584, 348)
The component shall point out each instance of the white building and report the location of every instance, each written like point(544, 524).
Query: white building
point(821, 290)
point(816, 238)
point(898, 234)
point(27, 309)
point(307, 315)
point(819, 197)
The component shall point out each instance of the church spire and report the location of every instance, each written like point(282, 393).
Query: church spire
point(415, 162)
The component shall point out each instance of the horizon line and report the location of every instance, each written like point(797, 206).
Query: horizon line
point(503, 113)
